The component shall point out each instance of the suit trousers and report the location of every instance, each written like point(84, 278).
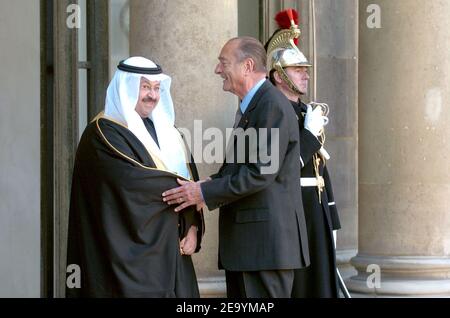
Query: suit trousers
point(260, 284)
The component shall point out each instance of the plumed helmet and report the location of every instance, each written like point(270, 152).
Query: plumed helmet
point(282, 50)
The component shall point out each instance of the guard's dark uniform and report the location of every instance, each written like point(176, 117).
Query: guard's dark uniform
point(320, 278)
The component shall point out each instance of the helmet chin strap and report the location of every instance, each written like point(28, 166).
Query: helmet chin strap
point(286, 79)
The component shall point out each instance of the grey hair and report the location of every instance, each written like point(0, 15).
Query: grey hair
point(249, 47)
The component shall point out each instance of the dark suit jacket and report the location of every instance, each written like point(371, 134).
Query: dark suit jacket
point(261, 222)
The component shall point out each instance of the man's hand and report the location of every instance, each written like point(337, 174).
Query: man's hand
point(188, 194)
point(189, 242)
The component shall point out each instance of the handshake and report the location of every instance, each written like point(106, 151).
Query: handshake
point(315, 120)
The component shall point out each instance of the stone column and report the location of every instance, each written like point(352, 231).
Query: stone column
point(185, 38)
point(404, 170)
point(21, 264)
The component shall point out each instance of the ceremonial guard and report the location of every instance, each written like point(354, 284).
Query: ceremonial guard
point(288, 71)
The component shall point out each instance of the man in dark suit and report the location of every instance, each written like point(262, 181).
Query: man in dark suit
point(262, 232)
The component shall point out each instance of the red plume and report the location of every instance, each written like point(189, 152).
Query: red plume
point(284, 21)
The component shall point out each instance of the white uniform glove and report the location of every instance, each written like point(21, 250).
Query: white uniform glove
point(314, 120)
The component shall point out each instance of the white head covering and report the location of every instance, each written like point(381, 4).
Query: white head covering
point(121, 99)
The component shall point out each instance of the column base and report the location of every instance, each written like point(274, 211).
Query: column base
point(212, 286)
point(343, 258)
point(400, 276)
